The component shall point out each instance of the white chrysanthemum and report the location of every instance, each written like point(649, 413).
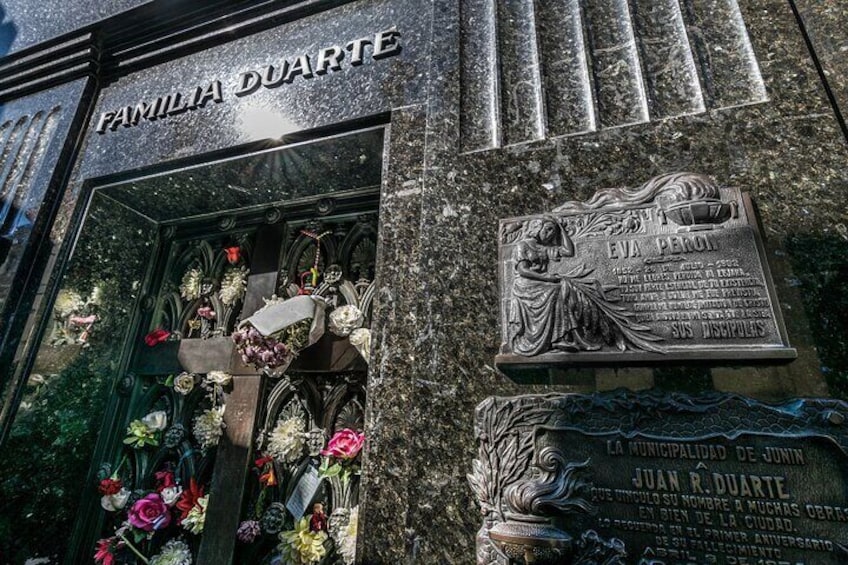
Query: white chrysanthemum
point(68, 302)
point(209, 426)
point(234, 285)
point(347, 547)
point(175, 552)
point(286, 441)
point(190, 287)
point(345, 319)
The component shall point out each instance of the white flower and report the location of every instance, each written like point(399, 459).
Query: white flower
point(347, 547)
point(156, 421)
point(361, 340)
point(190, 287)
point(170, 495)
point(286, 441)
point(68, 302)
point(197, 516)
point(219, 378)
point(115, 502)
point(233, 285)
point(184, 383)
point(36, 380)
point(96, 296)
point(209, 426)
point(345, 319)
point(175, 552)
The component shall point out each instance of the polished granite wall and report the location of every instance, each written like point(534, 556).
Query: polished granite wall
point(824, 24)
point(26, 24)
point(772, 132)
point(490, 117)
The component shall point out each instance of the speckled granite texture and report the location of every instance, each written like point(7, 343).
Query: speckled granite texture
point(24, 24)
point(788, 152)
point(825, 24)
point(457, 160)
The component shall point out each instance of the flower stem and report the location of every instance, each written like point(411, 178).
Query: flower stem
point(134, 550)
point(120, 464)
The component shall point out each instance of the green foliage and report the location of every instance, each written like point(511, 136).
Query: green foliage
point(140, 435)
point(326, 470)
point(46, 460)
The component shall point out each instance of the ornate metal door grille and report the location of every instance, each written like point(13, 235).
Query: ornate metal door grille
point(210, 275)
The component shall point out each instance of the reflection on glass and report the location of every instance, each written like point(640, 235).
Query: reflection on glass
point(45, 465)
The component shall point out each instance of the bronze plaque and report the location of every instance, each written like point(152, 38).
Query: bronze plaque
point(673, 270)
point(648, 479)
point(756, 499)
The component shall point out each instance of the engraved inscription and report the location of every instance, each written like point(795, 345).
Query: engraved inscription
point(665, 479)
point(676, 264)
point(715, 501)
point(304, 66)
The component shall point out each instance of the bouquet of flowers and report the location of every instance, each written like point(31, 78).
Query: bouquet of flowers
point(272, 337)
point(160, 517)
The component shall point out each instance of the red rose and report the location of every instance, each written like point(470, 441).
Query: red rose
point(156, 336)
point(150, 513)
point(109, 487)
point(345, 444)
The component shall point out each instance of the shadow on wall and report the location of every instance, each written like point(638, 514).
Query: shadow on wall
point(820, 266)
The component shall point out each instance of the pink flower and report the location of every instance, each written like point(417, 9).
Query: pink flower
point(206, 312)
point(345, 444)
point(104, 552)
point(164, 479)
point(82, 321)
point(150, 513)
point(156, 336)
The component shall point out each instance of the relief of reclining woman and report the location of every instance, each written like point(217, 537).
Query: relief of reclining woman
point(564, 311)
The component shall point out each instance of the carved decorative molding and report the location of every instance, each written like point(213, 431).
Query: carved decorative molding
point(534, 70)
point(23, 145)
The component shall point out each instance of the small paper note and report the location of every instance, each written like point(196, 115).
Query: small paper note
point(304, 492)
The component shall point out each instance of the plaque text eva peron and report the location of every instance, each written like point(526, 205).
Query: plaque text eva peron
point(672, 270)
